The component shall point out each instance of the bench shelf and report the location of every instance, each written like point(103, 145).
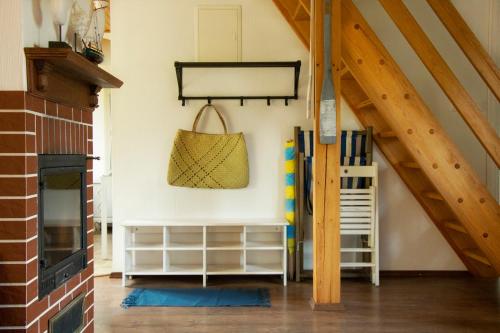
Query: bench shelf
point(205, 247)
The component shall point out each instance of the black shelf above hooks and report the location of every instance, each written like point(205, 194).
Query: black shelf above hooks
point(179, 66)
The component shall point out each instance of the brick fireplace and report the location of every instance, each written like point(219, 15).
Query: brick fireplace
point(53, 117)
point(29, 126)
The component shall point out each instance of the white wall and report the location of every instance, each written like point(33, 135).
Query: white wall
point(100, 125)
point(11, 46)
point(38, 27)
point(101, 142)
point(146, 114)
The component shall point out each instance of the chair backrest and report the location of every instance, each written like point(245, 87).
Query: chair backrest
point(356, 147)
point(357, 211)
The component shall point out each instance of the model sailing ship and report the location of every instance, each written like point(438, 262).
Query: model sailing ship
point(87, 22)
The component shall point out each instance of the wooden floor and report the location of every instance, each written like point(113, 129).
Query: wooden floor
point(426, 304)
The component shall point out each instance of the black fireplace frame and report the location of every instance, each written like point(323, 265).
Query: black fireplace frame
point(52, 277)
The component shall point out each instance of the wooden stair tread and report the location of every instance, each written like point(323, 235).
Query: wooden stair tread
point(410, 164)
point(344, 71)
point(307, 6)
point(387, 135)
point(433, 195)
point(364, 104)
point(301, 12)
point(474, 254)
point(453, 225)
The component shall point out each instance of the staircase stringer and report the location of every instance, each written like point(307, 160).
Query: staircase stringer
point(301, 28)
point(415, 180)
point(445, 77)
point(397, 152)
point(405, 112)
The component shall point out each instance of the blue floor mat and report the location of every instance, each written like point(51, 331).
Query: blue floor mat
point(198, 297)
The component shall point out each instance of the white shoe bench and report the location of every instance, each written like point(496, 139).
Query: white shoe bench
point(205, 247)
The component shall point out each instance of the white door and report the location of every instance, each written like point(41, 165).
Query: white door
point(218, 31)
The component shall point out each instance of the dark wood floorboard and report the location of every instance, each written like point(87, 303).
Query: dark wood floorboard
point(424, 304)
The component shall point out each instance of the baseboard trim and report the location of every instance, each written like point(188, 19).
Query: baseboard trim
point(307, 274)
point(426, 273)
point(383, 274)
point(330, 307)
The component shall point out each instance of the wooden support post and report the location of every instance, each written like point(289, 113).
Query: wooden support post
point(468, 42)
point(444, 76)
point(326, 228)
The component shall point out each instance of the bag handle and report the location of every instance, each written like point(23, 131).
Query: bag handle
point(203, 108)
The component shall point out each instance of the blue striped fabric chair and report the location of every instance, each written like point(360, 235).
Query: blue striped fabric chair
point(306, 150)
point(356, 150)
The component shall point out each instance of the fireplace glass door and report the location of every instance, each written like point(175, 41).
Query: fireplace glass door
point(62, 227)
point(62, 219)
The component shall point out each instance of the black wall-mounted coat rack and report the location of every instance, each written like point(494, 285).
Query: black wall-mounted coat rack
point(179, 66)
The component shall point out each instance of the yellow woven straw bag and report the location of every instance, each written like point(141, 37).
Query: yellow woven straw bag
point(202, 160)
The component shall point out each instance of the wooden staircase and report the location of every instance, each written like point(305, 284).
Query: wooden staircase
point(411, 139)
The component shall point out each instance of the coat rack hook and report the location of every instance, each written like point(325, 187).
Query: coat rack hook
point(179, 66)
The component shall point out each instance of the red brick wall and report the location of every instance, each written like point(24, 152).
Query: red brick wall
point(31, 126)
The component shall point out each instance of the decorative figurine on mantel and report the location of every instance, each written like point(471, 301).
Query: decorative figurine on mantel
point(60, 9)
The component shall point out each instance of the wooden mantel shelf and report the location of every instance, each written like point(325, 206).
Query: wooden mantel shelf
point(64, 76)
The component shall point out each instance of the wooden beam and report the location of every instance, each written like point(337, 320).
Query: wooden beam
point(326, 227)
point(297, 28)
point(406, 114)
point(468, 42)
point(444, 76)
